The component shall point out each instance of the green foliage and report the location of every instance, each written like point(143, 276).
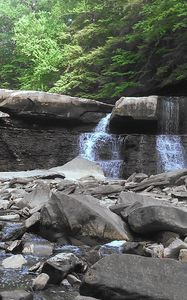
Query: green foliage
point(96, 49)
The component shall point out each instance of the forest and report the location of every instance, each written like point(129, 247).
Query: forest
point(95, 49)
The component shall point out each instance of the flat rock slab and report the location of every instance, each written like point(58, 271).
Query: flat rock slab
point(134, 277)
point(158, 218)
point(42, 105)
point(32, 174)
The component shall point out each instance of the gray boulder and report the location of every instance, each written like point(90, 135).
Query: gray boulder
point(130, 198)
point(134, 277)
point(129, 201)
point(82, 216)
point(158, 218)
point(131, 112)
point(60, 265)
point(42, 105)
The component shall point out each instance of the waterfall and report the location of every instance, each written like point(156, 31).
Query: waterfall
point(169, 144)
point(103, 148)
point(170, 116)
point(171, 152)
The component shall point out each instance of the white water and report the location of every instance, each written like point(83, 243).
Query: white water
point(102, 147)
point(169, 145)
point(171, 152)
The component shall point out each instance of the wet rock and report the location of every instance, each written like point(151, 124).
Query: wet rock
point(14, 262)
point(12, 231)
point(40, 282)
point(16, 295)
point(81, 216)
point(33, 220)
point(60, 265)
point(133, 277)
point(183, 255)
point(172, 251)
point(80, 167)
point(158, 218)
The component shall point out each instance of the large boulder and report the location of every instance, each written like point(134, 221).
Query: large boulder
point(129, 201)
point(60, 265)
point(135, 114)
point(42, 105)
point(158, 218)
point(128, 276)
point(82, 216)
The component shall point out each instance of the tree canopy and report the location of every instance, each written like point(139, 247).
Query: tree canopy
point(95, 49)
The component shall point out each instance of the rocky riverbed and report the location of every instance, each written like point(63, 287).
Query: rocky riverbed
point(70, 233)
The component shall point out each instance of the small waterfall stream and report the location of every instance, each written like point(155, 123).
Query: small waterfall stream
point(103, 148)
point(169, 144)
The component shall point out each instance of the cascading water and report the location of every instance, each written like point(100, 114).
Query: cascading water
point(103, 148)
point(169, 145)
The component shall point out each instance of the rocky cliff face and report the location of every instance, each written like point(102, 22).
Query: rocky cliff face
point(26, 146)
